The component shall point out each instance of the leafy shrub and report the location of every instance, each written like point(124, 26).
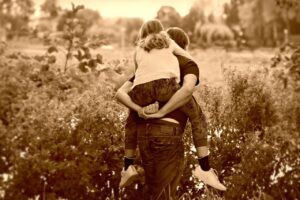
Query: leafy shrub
point(214, 34)
point(253, 141)
point(62, 134)
point(75, 39)
point(3, 47)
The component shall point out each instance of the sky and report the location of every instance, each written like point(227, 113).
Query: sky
point(145, 9)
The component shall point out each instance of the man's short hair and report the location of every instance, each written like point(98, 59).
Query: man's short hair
point(179, 36)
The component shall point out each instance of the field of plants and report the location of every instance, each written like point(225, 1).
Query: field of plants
point(62, 131)
point(210, 61)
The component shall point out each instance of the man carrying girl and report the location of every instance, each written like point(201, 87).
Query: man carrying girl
point(158, 77)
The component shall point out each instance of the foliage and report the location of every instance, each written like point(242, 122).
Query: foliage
point(288, 3)
point(232, 20)
point(287, 63)
point(231, 12)
point(88, 17)
point(195, 15)
point(132, 27)
point(253, 125)
point(14, 14)
point(263, 22)
point(51, 8)
point(214, 34)
point(60, 136)
point(3, 47)
point(74, 25)
point(84, 17)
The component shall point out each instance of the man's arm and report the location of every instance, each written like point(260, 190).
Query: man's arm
point(123, 97)
point(181, 97)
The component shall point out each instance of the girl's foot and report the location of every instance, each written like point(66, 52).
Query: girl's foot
point(208, 177)
point(128, 176)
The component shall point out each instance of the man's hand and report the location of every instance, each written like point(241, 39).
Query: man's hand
point(143, 115)
point(154, 115)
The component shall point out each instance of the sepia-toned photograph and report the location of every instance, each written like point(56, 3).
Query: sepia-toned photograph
point(150, 99)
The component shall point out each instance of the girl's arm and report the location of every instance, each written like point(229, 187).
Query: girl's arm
point(123, 97)
point(179, 51)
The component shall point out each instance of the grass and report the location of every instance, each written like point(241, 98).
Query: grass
point(210, 61)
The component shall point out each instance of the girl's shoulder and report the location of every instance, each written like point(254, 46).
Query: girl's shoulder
point(139, 50)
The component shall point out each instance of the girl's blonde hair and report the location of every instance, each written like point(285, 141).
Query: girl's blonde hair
point(150, 27)
point(152, 36)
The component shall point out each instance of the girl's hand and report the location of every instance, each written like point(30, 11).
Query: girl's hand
point(152, 108)
point(150, 112)
point(142, 113)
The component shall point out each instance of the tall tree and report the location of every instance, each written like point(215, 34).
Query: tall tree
point(51, 8)
point(16, 13)
point(132, 26)
point(168, 16)
point(195, 16)
point(291, 14)
point(85, 17)
point(231, 12)
point(288, 3)
point(262, 21)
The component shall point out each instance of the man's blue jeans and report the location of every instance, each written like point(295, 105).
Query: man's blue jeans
point(162, 153)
